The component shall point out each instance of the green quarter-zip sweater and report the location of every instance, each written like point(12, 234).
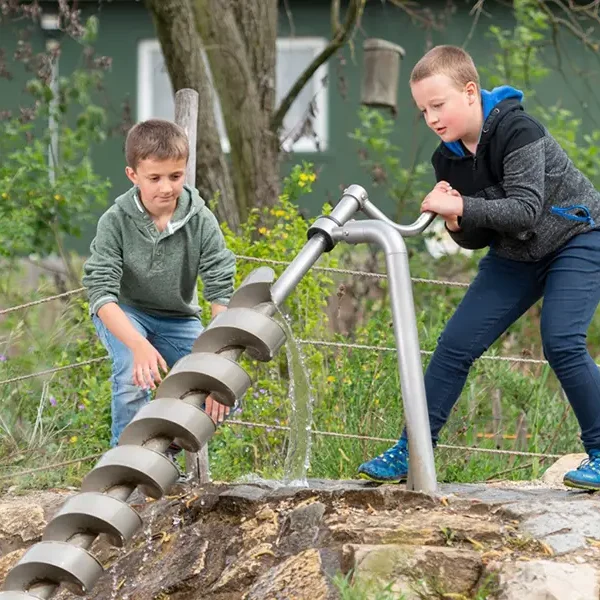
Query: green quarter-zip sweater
point(132, 263)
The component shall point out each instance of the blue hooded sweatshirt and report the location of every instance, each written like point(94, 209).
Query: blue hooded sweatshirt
point(488, 101)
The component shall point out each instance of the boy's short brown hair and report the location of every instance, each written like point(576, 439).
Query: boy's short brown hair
point(452, 61)
point(158, 139)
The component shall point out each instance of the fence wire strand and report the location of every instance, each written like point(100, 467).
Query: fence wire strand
point(515, 359)
point(267, 261)
point(65, 463)
point(274, 427)
point(353, 272)
point(5, 311)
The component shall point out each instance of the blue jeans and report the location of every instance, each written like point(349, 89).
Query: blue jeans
point(173, 337)
point(569, 281)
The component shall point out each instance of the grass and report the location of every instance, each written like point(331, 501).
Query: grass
point(364, 591)
point(66, 416)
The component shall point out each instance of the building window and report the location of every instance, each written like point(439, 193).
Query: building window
point(305, 125)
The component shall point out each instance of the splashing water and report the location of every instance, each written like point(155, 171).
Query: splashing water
point(297, 460)
point(116, 580)
point(148, 533)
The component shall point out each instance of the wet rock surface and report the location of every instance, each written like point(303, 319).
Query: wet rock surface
point(266, 541)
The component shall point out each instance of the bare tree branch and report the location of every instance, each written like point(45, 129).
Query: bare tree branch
point(290, 17)
point(353, 15)
point(335, 17)
point(420, 14)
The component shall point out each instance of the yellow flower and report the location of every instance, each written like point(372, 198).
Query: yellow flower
point(301, 183)
point(303, 177)
point(73, 439)
point(262, 230)
point(312, 177)
point(279, 213)
point(330, 379)
point(284, 235)
point(58, 197)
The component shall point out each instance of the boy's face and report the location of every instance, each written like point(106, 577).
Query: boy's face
point(447, 109)
point(160, 183)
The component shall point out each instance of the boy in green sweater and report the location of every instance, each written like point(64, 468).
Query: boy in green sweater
point(150, 247)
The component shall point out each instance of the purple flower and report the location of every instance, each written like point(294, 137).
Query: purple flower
point(255, 394)
point(262, 391)
point(52, 400)
point(81, 406)
point(3, 358)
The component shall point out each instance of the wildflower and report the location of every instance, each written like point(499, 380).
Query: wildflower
point(58, 197)
point(4, 195)
point(3, 358)
point(263, 230)
point(52, 400)
point(330, 379)
point(81, 406)
point(262, 391)
point(301, 183)
point(73, 439)
point(279, 213)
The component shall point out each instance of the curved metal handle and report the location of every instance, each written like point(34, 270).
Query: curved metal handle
point(411, 230)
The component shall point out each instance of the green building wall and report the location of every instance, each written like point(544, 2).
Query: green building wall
point(124, 24)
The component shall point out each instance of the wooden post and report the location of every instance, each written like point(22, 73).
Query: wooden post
point(186, 115)
point(497, 417)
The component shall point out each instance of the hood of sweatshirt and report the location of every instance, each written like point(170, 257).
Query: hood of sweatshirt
point(489, 100)
point(189, 203)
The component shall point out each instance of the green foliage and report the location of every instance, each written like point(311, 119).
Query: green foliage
point(348, 590)
point(47, 181)
point(276, 234)
point(56, 418)
point(380, 159)
point(518, 59)
point(356, 390)
point(520, 62)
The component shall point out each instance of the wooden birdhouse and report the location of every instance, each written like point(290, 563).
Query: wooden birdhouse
point(381, 71)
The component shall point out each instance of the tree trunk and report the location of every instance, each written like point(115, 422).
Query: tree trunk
point(182, 49)
point(240, 40)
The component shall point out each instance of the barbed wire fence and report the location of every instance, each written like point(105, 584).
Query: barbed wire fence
point(310, 342)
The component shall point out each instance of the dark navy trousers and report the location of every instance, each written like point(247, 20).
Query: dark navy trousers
point(569, 282)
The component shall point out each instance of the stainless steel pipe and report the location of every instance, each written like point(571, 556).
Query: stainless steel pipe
point(422, 475)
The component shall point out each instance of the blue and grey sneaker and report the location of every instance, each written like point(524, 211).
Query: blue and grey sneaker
point(587, 475)
point(389, 467)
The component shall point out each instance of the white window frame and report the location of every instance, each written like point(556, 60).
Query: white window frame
point(144, 85)
point(321, 124)
point(321, 92)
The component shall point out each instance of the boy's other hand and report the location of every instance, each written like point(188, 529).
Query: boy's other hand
point(444, 203)
point(215, 410)
point(147, 364)
point(216, 309)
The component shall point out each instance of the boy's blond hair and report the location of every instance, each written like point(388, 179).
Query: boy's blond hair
point(157, 139)
point(451, 61)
